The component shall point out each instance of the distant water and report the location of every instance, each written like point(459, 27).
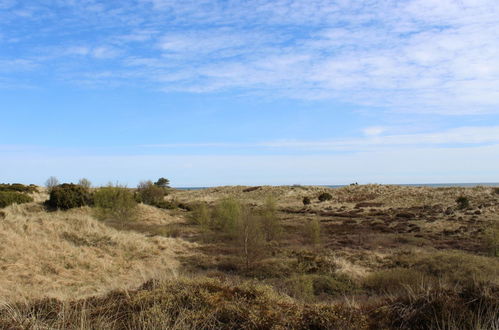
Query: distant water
point(434, 185)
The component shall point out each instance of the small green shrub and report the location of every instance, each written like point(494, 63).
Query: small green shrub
point(313, 232)
point(269, 221)
point(151, 194)
point(18, 187)
point(463, 202)
point(13, 197)
point(325, 197)
point(201, 215)
point(306, 201)
point(68, 195)
point(226, 215)
point(491, 239)
point(395, 280)
point(115, 203)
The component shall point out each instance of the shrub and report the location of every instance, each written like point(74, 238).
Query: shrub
point(463, 202)
point(201, 215)
point(325, 197)
point(395, 280)
point(68, 195)
point(250, 236)
point(496, 191)
point(227, 214)
point(313, 232)
point(269, 220)
point(306, 201)
point(151, 194)
point(491, 239)
point(115, 203)
point(17, 187)
point(13, 197)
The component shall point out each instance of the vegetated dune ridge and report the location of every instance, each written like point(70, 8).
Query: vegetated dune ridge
point(386, 257)
point(70, 254)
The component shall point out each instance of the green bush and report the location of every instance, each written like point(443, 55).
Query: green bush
point(227, 214)
point(325, 197)
point(151, 194)
point(306, 201)
point(395, 280)
point(269, 221)
point(68, 195)
point(13, 197)
point(115, 203)
point(463, 202)
point(18, 187)
point(313, 232)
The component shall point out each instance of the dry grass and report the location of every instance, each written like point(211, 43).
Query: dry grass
point(70, 254)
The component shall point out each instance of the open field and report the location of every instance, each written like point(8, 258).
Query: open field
point(257, 257)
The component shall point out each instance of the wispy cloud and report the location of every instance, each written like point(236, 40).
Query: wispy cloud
point(420, 56)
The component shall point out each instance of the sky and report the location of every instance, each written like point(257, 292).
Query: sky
point(229, 92)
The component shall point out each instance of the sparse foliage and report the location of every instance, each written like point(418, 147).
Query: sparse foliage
point(85, 183)
point(269, 220)
point(313, 232)
point(51, 183)
point(251, 238)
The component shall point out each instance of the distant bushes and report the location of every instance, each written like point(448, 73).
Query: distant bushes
point(152, 194)
point(463, 202)
point(67, 196)
point(496, 191)
point(115, 203)
point(17, 187)
point(325, 197)
point(13, 197)
point(306, 201)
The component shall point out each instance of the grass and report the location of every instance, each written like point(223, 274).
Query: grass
point(378, 257)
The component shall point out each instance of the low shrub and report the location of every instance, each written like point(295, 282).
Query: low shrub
point(313, 232)
point(68, 195)
point(306, 201)
point(395, 280)
point(13, 197)
point(151, 194)
point(463, 202)
point(325, 197)
point(491, 239)
point(115, 203)
point(17, 187)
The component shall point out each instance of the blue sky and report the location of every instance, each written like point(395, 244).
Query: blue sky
point(249, 92)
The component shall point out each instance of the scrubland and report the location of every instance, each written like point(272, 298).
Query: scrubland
point(365, 257)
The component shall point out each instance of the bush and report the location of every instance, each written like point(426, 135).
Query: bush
point(325, 197)
point(201, 215)
point(227, 215)
point(151, 194)
point(68, 195)
point(313, 232)
point(496, 191)
point(395, 280)
point(115, 203)
point(17, 187)
point(491, 239)
point(269, 220)
point(13, 197)
point(463, 203)
point(306, 201)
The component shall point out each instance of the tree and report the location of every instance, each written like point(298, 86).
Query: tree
point(151, 194)
point(269, 220)
point(162, 182)
point(251, 239)
point(85, 183)
point(51, 183)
